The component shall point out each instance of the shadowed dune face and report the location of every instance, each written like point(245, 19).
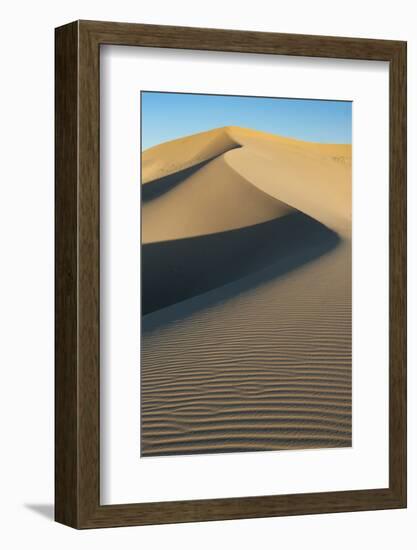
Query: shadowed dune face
point(241, 224)
point(195, 265)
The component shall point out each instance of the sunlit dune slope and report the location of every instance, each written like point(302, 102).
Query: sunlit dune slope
point(314, 178)
point(235, 177)
point(214, 199)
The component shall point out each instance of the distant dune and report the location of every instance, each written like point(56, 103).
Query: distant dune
point(179, 154)
point(246, 294)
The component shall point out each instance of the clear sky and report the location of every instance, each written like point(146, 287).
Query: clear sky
point(167, 116)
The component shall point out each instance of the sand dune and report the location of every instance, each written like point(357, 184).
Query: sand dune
point(246, 294)
point(221, 195)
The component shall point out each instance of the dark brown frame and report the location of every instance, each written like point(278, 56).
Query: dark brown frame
point(77, 274)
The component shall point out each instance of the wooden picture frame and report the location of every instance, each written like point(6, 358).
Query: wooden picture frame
point(77, 405)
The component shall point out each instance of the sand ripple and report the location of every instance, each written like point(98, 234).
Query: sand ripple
point(267, 369)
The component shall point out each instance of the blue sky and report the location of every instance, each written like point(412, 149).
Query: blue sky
point(167, 116)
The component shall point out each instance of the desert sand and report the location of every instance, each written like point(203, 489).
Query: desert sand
point(246, 294)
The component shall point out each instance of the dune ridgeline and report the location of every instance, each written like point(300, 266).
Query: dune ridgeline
point(246, 294)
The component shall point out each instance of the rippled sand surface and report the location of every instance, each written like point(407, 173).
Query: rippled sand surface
point(267, 369)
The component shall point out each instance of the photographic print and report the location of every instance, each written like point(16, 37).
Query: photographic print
point(246, 289)
point(203, 274)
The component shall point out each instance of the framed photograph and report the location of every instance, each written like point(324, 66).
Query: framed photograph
point(230, 274)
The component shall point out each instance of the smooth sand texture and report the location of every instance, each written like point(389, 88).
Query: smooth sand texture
point(246, 294)
point(216, 198)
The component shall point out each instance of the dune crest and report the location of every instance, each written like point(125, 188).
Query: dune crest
point(317, 186)
point(170, 157)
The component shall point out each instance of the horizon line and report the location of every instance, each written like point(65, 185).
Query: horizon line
point(230, 126)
